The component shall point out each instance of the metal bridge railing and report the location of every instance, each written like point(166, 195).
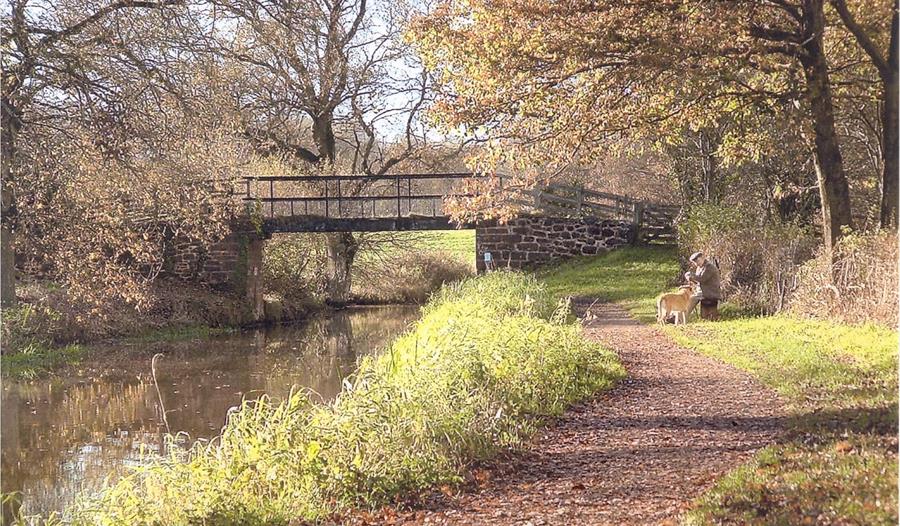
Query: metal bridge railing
point(355, 196)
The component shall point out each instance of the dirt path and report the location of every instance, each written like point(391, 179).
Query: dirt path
point(636, 454)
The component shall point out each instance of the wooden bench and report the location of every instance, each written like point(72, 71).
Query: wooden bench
point(709, 309)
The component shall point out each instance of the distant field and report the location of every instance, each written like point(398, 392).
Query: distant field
point(457, 243)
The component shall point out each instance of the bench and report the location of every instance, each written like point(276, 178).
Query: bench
point(709, 309)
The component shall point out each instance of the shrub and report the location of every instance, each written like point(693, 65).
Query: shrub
point(757, 258)
point(29, 332)
point(28, 325)
point(489, 358)
point(858, 285)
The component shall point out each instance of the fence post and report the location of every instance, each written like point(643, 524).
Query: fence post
point(638, 219)
point(579, 196)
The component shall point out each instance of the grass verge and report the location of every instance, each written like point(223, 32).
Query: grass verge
point(631, 276)
point(838, 464)
point(490, 358)
point(38, 359)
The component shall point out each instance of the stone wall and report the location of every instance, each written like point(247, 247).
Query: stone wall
point(527, 242)
point(233, 264)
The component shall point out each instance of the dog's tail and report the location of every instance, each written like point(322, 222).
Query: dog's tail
point(659, 309)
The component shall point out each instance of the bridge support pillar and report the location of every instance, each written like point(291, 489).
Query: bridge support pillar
point(253, 281)
point(234, 265)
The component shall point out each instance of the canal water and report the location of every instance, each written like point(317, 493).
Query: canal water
point(69, 433)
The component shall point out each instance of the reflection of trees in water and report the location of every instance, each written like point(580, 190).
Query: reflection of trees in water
point(60, 434)
point(56, 434)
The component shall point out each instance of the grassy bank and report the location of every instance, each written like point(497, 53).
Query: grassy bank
point(632, 277)
point(39, 359)
point(490, 357)
point(839, 462)
point(29, 357)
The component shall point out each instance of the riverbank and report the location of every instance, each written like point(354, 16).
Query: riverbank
point(46, 331)
point(452, 391)
point(838, 462)
point(37, 358)
point(52, 423)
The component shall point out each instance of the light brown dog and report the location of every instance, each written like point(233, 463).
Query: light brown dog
point(674, 303)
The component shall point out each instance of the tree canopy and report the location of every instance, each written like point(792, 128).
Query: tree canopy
point(555, 82)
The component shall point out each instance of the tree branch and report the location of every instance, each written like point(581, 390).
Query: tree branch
point(862, 38)
point(100, 13)
point(268, 142)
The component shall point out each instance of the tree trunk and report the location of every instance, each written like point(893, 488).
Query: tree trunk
point(340, 247)
point(889, 183)
point(889, 132)
point(833, 187)
point(10, 127)
point(7, 257)
point(323, 136)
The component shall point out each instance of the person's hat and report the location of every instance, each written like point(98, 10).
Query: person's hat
point(696, 255)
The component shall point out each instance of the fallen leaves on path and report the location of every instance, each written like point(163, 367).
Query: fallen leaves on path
point(637, 454)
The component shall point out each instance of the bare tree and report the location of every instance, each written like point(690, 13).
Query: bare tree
point(43, 53)
point(105, 135)
point(321, 82)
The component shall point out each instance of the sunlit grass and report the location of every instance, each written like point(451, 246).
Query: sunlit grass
point(631, 276)
point(455, 243)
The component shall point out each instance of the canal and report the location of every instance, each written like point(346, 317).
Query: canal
point(77, 430)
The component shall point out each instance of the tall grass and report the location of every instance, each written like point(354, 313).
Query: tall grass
point(490, 357)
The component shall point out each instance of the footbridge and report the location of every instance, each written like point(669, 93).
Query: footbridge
point(553, 222)
point(356, 203)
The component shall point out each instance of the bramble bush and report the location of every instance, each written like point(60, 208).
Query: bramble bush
point(489, 358)
point(857, 285)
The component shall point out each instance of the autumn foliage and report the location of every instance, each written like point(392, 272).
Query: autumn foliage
point(549, 85)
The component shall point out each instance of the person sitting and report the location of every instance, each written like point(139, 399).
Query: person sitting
point(706, 275)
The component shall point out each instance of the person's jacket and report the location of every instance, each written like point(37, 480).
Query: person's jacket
point(708, 277)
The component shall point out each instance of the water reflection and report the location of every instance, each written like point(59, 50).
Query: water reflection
point(69, 433)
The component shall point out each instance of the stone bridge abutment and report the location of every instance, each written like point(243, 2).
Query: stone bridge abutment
point(233, 264)
point(528, 242)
